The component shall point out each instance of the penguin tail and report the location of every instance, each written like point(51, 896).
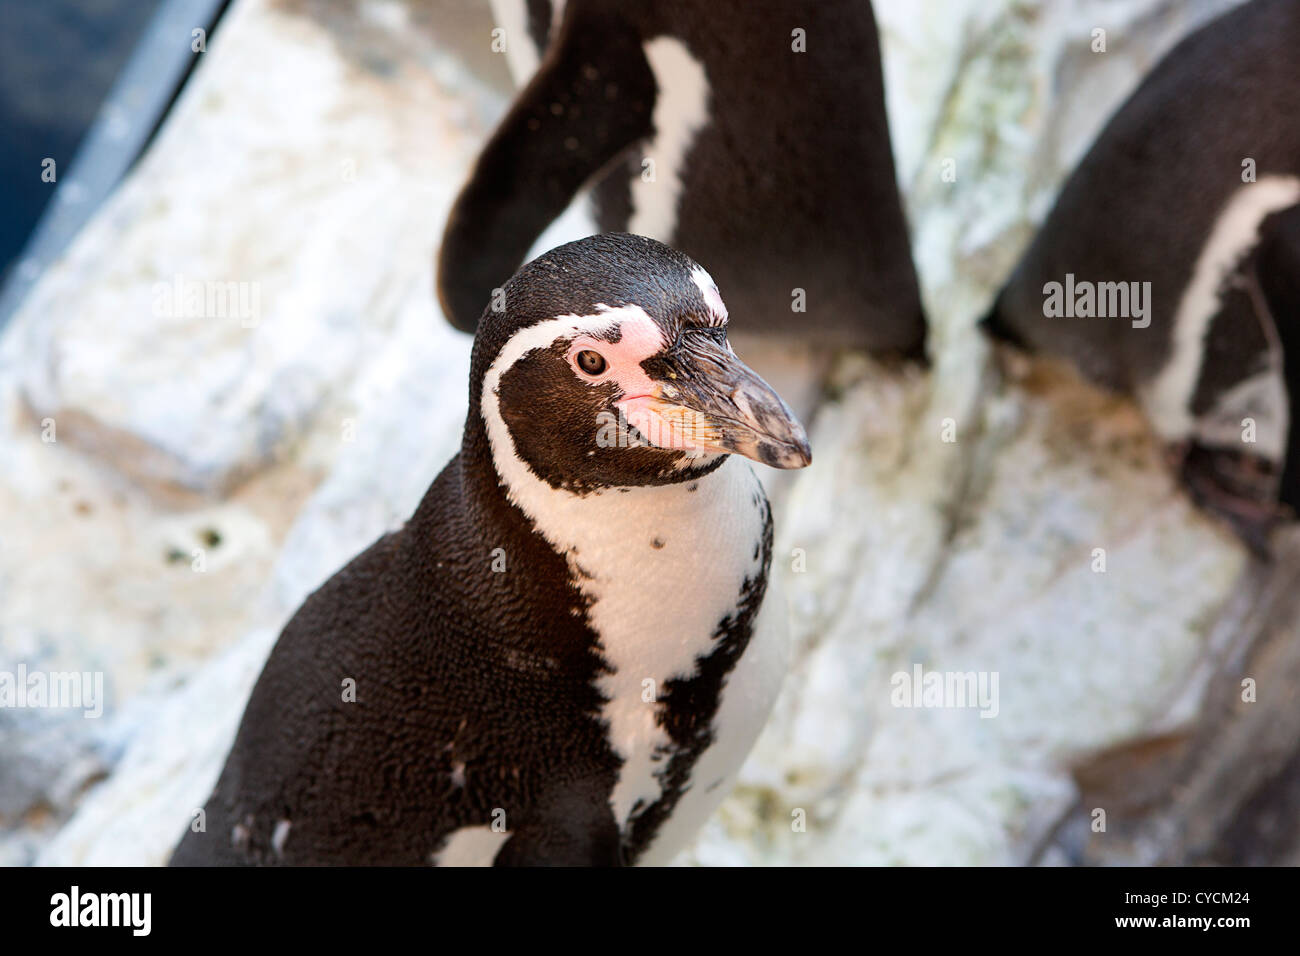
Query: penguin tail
point(918, 354)
point(995, 325)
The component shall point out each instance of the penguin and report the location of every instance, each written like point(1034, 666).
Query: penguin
point(558, 659)
point(1185, 209)
point(749, 134)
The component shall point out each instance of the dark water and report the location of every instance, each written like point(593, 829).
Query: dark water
point(58, 59)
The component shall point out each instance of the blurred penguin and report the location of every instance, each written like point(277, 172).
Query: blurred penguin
point(1170, 265)
point(750, 134)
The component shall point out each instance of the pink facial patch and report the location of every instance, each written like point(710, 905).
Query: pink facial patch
point(682, 433)
point(639, 338)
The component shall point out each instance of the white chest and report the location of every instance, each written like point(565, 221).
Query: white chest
point(661, 567)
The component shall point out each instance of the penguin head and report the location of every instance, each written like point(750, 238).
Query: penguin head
point(605, 363)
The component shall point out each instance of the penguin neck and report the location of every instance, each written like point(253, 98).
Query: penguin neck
point(509, 493)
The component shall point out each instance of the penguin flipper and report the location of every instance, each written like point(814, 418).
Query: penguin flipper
point(591, 98)
point(575, 828)
point(541, 847)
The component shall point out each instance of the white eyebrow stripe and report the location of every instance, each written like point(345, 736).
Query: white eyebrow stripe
point(544, 334)
point(712, 297)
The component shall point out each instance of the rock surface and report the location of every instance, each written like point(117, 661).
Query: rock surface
point(950, 520)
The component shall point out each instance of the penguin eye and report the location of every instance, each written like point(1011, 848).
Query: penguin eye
point(593, 363)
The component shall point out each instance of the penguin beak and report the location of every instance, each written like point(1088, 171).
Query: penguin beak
point(706, 399)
